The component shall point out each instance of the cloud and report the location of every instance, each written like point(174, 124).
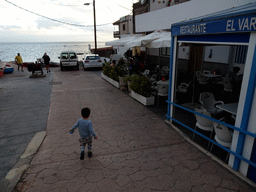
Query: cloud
point(47, 24)
point(10, 27)
point(23, 26)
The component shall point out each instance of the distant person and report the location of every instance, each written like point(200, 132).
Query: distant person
point(19, 62)
point(131, 66)
point(46, 62)
point(113, 64)
point(85, 131)
point(136, 63)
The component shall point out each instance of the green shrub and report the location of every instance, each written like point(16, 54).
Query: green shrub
point(114, 73)
point(121, 67)
point(141, 85)
point(128, 78)
point(107, 69)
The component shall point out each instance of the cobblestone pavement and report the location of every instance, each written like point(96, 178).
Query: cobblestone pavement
point(24, 108)
point(135, 151)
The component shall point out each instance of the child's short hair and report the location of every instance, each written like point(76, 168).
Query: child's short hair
point(85, 112)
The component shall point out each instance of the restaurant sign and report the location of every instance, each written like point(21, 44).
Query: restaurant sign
point(230, 25)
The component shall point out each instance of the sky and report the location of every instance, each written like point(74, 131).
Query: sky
point(19, 25)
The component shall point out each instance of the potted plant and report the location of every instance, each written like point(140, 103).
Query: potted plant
point(106, 69)
point(110, 74)
point(115, 73)
point(120, 69)
point(141, 89)
point(128, 80)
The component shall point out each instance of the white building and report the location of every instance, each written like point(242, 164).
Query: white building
point(162, 18)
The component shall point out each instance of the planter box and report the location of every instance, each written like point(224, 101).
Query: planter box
point(144, 100)
point(111, 81)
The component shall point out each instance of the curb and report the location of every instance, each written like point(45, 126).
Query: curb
point(245, 179)
point(14, 175)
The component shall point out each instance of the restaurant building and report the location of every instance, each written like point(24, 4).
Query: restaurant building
point(205, 52)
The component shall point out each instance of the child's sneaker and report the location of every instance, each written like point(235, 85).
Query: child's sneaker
point(82, 155)
point(89, 153)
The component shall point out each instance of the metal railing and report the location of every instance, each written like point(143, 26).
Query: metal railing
point(116, 34)
point(209, 139)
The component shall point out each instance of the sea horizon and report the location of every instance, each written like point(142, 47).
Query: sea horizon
point(30, 51)
point(59, 42)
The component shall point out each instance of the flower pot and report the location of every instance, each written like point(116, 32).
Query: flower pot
point(122, 83)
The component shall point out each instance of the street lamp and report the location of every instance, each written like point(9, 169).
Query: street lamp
point(95, 37)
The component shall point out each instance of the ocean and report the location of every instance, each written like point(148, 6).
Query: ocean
point(31, 51)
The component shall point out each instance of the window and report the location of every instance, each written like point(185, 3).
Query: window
point(64, 55)
point(165, 51)
point(72, 55)
point(240, 54)
point(123, 27)
point(92, 58)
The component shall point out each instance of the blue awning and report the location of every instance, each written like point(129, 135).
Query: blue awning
point(242, 38)
point(235, 20)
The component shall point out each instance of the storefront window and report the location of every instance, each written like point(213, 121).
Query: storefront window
point(212, 70)
point(165, 51)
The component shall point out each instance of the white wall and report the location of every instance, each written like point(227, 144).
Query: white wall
point(220, 54)
point(121, 49)
point(184, 52)
point(130, 24)
point(164, 18)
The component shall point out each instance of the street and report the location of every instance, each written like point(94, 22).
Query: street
point(24, 108)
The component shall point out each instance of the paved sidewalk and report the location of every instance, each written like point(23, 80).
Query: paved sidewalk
point(135, 151)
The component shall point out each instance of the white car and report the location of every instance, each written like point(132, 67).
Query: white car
point(68, 59)
point(92, 61)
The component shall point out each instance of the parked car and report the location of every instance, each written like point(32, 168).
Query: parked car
point(68, 59)
point(91, 61)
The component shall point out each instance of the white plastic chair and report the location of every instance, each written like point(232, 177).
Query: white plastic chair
point(208, 102)
point(203, 123)
point(201, 78)
point(223, 136)
point(183, 87)
point(164, 71)
point(146, 72)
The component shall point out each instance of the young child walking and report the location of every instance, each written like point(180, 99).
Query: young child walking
point(85, 131)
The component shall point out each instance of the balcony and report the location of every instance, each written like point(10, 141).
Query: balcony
point(116, 34)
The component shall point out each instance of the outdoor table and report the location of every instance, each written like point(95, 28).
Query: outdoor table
point(211, 75)
point(230, 108)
